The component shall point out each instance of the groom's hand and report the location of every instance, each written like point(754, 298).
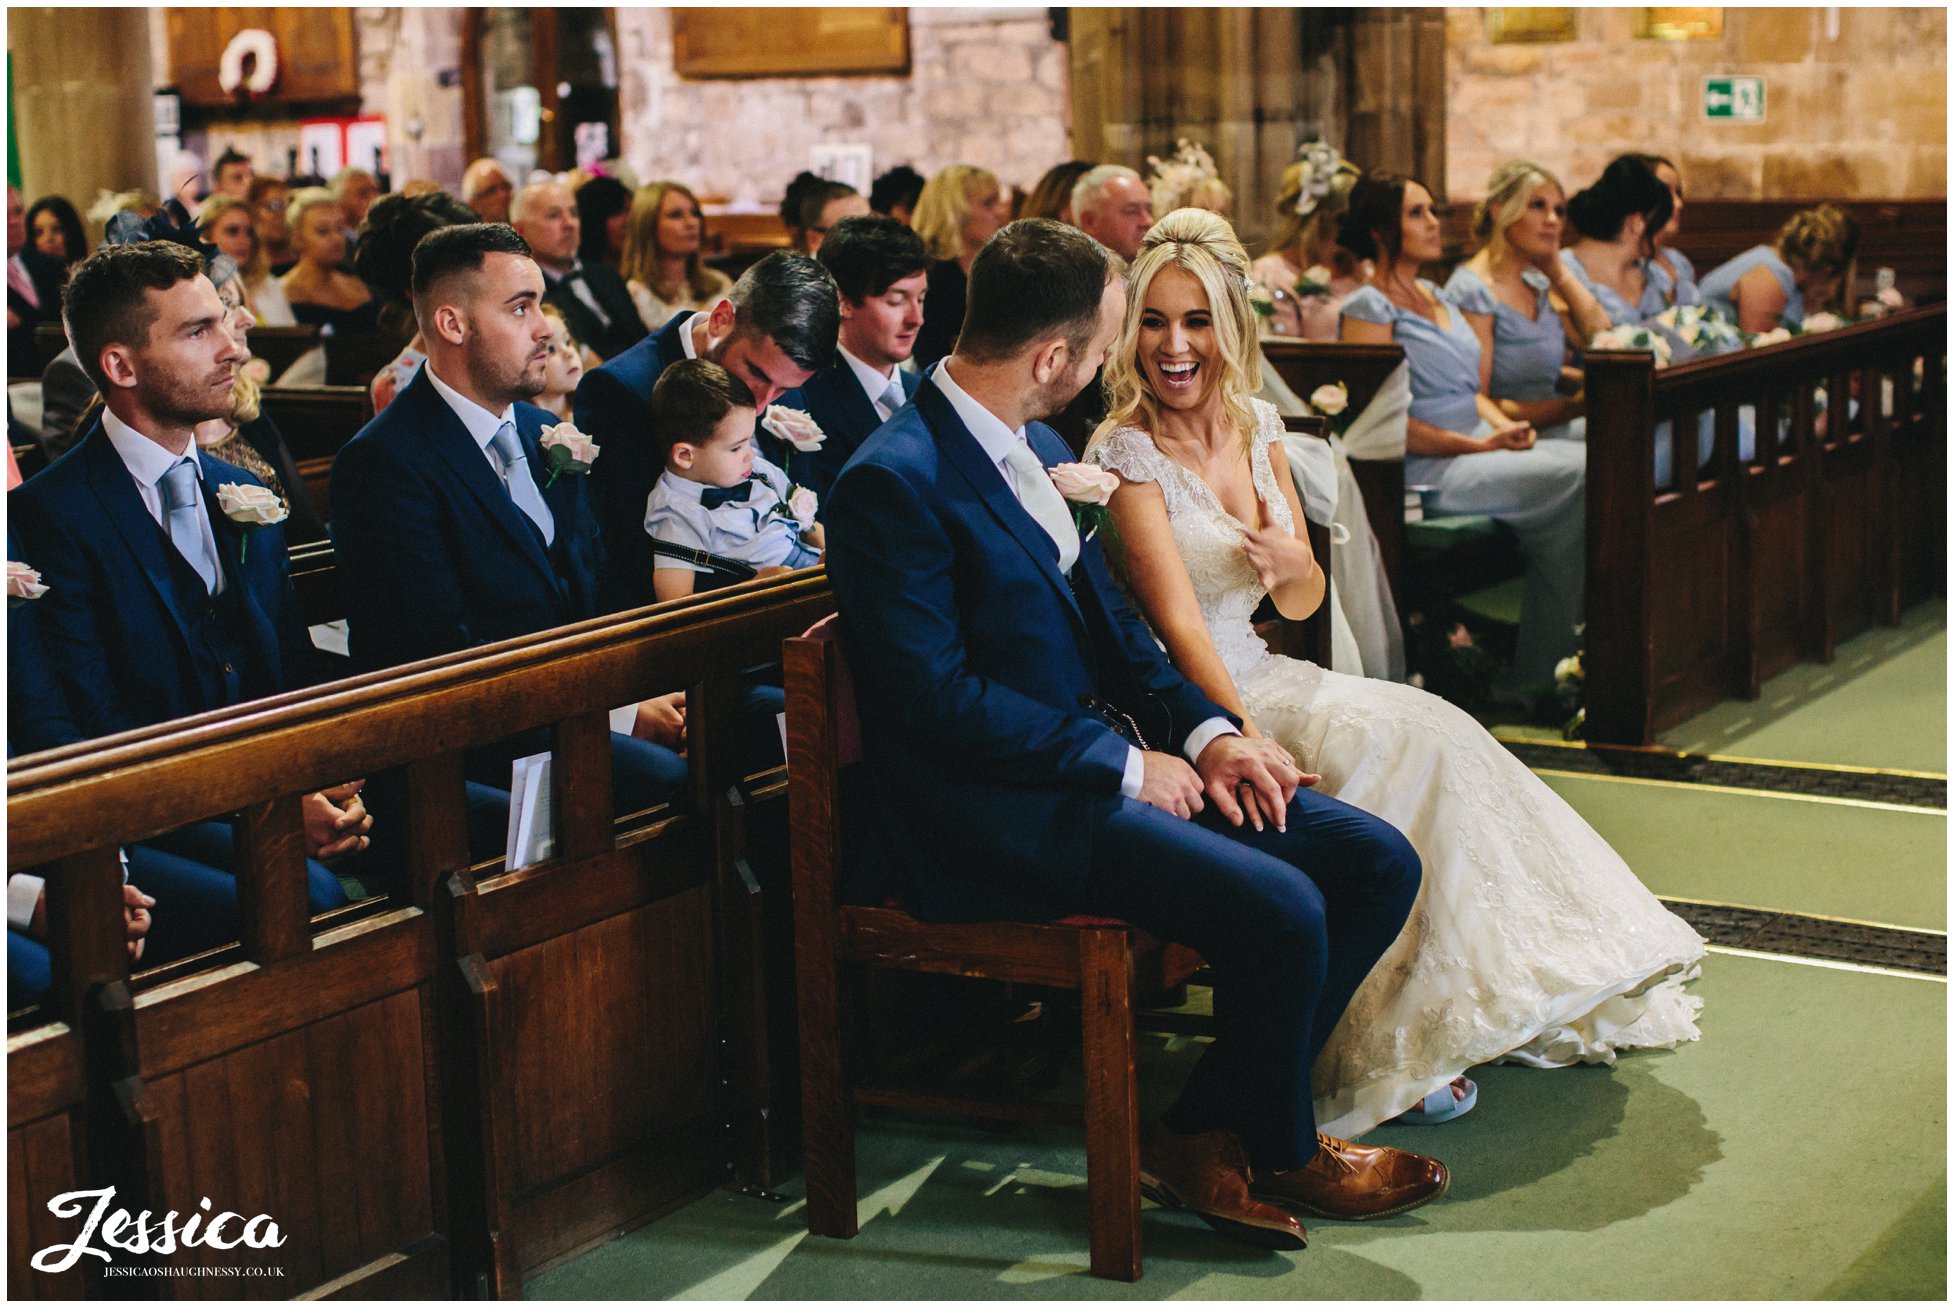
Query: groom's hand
point(1170, 784)
point(1250, 780)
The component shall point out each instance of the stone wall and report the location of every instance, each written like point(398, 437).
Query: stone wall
point(986, 87)
point(1855, 103)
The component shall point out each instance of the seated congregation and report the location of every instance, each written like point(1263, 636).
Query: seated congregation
point(1048, 449)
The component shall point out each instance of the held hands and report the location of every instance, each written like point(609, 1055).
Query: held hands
point(1251, 779)
point(1170, 784)
point(662, 720)
point(336, 821)
point(1511, 436)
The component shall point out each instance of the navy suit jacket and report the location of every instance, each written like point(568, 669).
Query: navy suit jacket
point(835, 399)
point(111, 624)
point(434, 554)
point(977, 666)
point(609, 290)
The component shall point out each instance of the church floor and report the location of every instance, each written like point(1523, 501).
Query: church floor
point(1797, 1151)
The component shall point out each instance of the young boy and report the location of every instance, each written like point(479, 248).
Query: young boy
point(717, 496)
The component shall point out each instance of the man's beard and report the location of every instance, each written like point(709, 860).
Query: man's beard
point(505, 385)
point(1054, 396)
point(191, 404)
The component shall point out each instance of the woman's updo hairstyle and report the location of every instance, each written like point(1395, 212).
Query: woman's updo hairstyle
point(1821, 238)
point(385, 257)
point(1507, 192)
point(1628, 185)
point(1372, 225)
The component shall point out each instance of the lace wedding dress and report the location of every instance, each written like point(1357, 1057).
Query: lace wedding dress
point(1531, 939)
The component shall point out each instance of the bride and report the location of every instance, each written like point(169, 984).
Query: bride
point(1532, 940)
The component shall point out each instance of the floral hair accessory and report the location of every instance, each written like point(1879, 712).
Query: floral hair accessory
point(1173, 177)
point(1322, 162)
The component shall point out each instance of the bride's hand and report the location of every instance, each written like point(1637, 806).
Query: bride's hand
point(1278, 557)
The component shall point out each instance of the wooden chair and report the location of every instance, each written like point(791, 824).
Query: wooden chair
point(1098, 957)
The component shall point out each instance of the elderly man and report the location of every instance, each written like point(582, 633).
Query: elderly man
point(486, 189)
point(592, 298)
point(1111, 205)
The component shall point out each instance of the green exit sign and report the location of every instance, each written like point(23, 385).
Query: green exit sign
point(1740, 99)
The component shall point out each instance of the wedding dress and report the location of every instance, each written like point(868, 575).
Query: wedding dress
point(1531, 939)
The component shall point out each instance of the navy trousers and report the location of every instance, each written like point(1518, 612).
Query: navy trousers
point(1290, 922)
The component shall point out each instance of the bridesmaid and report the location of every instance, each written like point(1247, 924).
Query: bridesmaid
point(1525, 305)
point(1307, 238)
point(1457, 440)
point(1670, 266)
point(1618, 219)
point(1804, 269)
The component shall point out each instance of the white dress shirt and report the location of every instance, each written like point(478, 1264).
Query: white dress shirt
point(997, 441)
point(874, 381)
point(147, 462)
point(482, 425)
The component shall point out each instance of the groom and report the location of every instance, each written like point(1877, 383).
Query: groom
point(1034, 754)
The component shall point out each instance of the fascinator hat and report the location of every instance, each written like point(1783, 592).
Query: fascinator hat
point(1321, 166)
point(171, 222)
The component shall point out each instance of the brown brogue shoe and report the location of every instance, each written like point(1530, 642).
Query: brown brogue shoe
point(1207, 1175)
point(1353, 1183)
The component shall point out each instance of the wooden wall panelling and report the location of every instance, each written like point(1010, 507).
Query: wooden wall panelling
point(317, 53)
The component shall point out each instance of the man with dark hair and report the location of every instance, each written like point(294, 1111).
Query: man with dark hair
point(1033, 754)
point(881, 269)
point(593, 299)
point(895, 193)
point(231, 174)
point(774, 330)
point(448, 530)
point(156, 608)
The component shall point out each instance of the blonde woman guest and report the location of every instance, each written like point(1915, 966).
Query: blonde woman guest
point(961, 208)
point(1803, 271)
point(562, 369)
point(1310, 198)
point(318, 291)
point(1526, 306)
point(1531, 940)
point(662, 267)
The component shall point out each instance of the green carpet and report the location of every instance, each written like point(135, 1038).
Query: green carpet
point(1798, 855)
point(1881, 703)
point(1798, 1150)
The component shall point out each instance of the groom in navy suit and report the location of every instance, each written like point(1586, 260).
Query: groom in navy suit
point(881, 269)
point(1034, 754)
point(447, 527)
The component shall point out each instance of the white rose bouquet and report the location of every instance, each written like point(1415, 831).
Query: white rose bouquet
point(1314, 282)
point(795, 427)
point(1820, 322)
point(1776, 336)
point(568, 451)
point(1259, 298)
point(1698, 330)
point(1626, 336)
point(250, 507)
point(23, 584)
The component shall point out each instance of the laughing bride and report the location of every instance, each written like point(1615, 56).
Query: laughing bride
point(1532, 940)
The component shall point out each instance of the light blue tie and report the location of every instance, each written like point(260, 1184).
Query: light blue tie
point(522, 486)
point(180, 498)
point(893, 398)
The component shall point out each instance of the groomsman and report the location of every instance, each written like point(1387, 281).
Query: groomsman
point(592, 297)
point(881, 269)
point(774, 330)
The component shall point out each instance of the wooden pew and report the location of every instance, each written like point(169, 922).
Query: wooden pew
point(1703, 590)
point(315, 421)
point(434, 1095)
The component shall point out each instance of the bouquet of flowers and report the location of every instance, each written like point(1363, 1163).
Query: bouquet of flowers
point(1697, 331)
point(1259, 299)
point(1333, 402)
point(1627, 336)
point(1314, 282)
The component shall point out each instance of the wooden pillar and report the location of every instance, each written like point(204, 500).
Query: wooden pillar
point(84, 93)
point(1396, 97)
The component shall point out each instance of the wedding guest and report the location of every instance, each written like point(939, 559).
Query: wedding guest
point(1457, 440)
point(603, 215)
point(1670, 265)
point(320, 292)
point(1187, 179)
point(232, 174)
point(1525, 305)
point(664, 241)
point(774, 329)
point(33, 287)
point(562, 370)
point(156, 608)
point(55, 229)
point(881, 269)
point(1803, 271)
point(812, 205)
point(716, 496)
point(895, 193)
point(385, 262)
point(1193, 448)
point(269, 199)
point(960, 209)
point(486, 189)
point(1617, 219)
point(1051, 197)
point(1111, 204)
point(593, 298)
point(1310, 198)
point(355, 189)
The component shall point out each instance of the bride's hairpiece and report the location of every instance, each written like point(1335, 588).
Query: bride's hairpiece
point(1321, 165)
point(1170, 179)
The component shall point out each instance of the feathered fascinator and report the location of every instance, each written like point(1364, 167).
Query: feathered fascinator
point(171, 222)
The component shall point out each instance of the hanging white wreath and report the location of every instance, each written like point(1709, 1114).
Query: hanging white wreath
point(262, 46)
